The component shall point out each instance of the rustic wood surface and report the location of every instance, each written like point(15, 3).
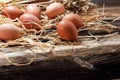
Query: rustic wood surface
point(107, 3)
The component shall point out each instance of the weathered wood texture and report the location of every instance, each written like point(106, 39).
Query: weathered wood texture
point(107, 3)
point(94, 60)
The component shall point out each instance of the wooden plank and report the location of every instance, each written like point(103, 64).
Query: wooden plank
point(107, 3)
point(110, 43)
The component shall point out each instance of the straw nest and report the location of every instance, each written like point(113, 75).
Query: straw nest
point(47, 36)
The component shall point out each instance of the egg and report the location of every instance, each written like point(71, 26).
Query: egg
point(74, 18)
point(67, 30)
point(30, 21)
point(9, 32)
point(55, 9)
point(11, 12)
point(33, 9)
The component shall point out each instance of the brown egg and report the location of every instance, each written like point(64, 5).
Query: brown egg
point(55, 9)
point(74, 18)
point(67, 30)
point(11, 12)
point(9, 32)
point(33, 9)
point(30, 21)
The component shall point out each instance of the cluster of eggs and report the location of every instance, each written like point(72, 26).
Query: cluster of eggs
point(30, 17)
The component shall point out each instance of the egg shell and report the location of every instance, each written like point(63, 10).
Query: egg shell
point(33, 9)
point(67, 30)
point(9, 32)
point(74, 18)
point(30, 21)
point(12, 12)
point(55, 9)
